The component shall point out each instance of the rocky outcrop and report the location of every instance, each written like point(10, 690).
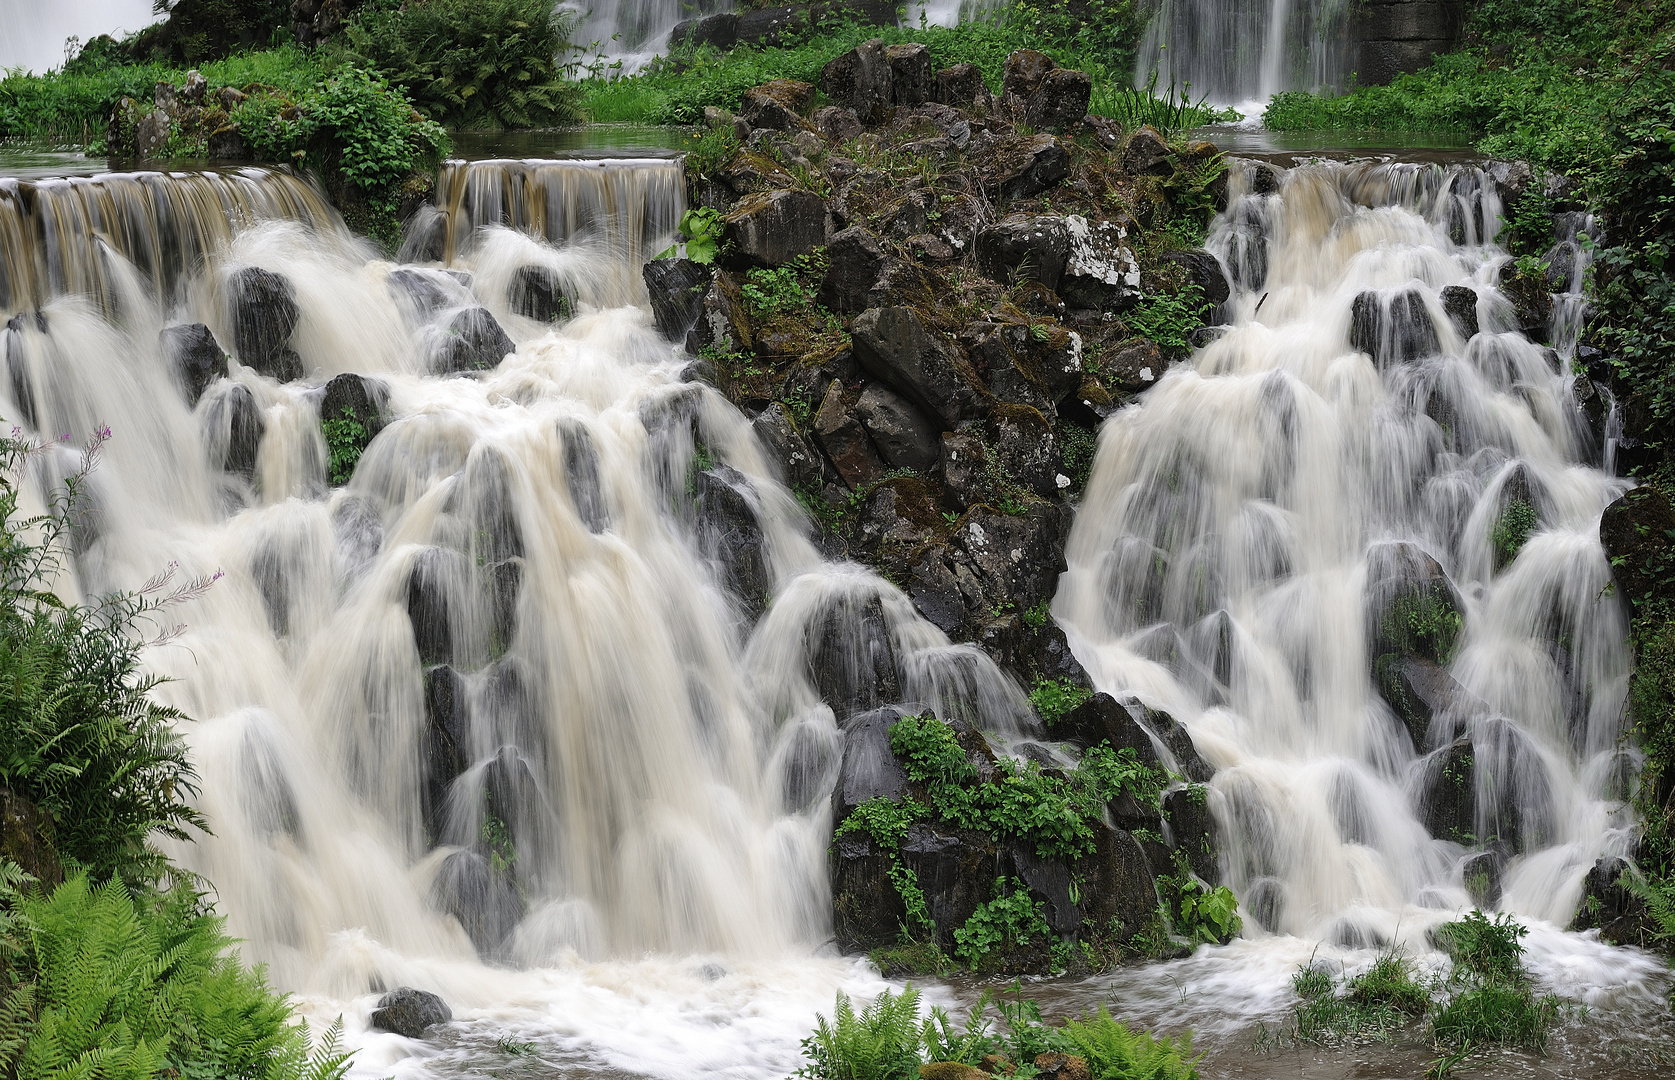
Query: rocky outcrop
point(473, 341)
point(410, 1012)
point(195, 357)
point(265, 314)
point(26, 838)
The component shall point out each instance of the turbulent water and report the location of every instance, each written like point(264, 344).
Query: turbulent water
point(544, 562)
point(1235, 51)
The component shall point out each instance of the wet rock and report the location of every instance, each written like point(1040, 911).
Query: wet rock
point(1134, 367)
point(910, 73)
point(1059, 100)
point(964, 468)
point(1609, 905)
point(869, 770)
point(1025, 166)
point(1119, 891)
point(512, 792)
point(723, 325)
point(505, 582)
point(895, 346)
point(771, 228)
point(851, 660)
point(1482, 876)
point(537, 292)
point(799, 462)
point(962, 86)
point(1027, 450)
point(1203, 270)
point(428, 291)
point(1460, 302)
point(1100, 270)
point(861, 80)
point(1448, 802)
point(1015, 559)
point(434, 580)
point(956, 869)
point(867, 910)
point(1412, 607)
point(1397, 330)
point(843, 438)
point(195, 357)
point(766, 25)
point(581, 475)
point(409, 1012)
point(26, 838)
point(837, 124)
point(1034, 365)
point(720, 30)
point(1147, 153)
point(473, 341)
point(1637, 531)
point(1419, 690)
point(855, 259)
point(676, 287)
point(731, 536)
point(265, 314)
point(904, 438)
point(1049, 881)
point(750, 171)
point(1030, 247)
point(235, 426)
point(357, 398)
point(446, 752)
point(776, 105)
point(485, 901)
point(1192, 831)
point(1266, 903)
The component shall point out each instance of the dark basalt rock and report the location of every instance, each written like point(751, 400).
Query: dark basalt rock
point(1120, 892)
point(537, 292)
point(358, 398)
point(851, 659)
point(427, 291)
point(895, 346)
point(1027, 450)
point(235, 428)
point(837, 124)
point(962, 86)
point(1637, 530)
point(1419, 690)
point(1147, 153)
point(1482, 876)
point(799, 463)
point(855, 259)
point(1460, 302)
point(1448, 805)
point(776, 105)
point(437, 577)
point(1026, 166)
point(843, 438)
point(765, 25)
point(1620, 915)
point(505, 585)
point(195, 357)
point(730, 534)
point(1203, 270)
point(1192, 831)
point(1134, 367)
point(1412, 607)
point(485, 902)
point(265, 314)
point(1030, 247)
point(904, 438)
point(26, 838)
point(720, 30)
point(1059, 100)
point(869, 770)
point(910, 73)
point(861, 80)
point(773, 227)
point(676, 287)
point(474, 341)
point(581, 474)
point(1395, 331)
point(409, 1012)
point(1265, 903)
point(446, 746)
point(1023, 72)
point(723, 325)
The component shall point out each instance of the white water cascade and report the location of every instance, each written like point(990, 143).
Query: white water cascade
point(1236, 51)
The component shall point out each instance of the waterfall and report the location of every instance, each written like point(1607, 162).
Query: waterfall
point(1308, 544)
point(1234, 51)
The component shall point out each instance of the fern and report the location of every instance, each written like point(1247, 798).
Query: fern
point(881, 1042)
point(1659, 898)
point(1114, 1051)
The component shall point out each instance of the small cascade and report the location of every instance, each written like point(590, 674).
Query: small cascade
point(1245, 50)
point(633, 31)
point(1384, 502)
point(57, 236)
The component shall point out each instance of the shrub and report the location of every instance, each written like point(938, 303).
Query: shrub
point(470, 63)
point(198, 31)
point(1006, 923)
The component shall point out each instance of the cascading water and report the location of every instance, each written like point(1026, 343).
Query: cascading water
point(1235, 51)
point(1371, 489)
point(537, 710)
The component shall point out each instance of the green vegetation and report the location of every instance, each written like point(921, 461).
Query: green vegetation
point(1512, 529)
point(1170, 318)
point(700, 232)
point(122, 971)
point(1373, 1005)
point(1006, 923)
point(469, 63)
point(1055, 698)
point(886, 1040)
point(346, 440)
point(1200, 914)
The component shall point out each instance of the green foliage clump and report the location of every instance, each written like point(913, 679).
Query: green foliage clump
point(1512, 528)
point(1170, 318)
point(885, 820)
point(1170, 112)
point(1009, 921)
point(80, 735)
point(1485, 948)
point(1373, 1005)
point(119, 986)
point(1493, 1003)
point(768, 292)
point(700, 231)
point(346, 440)
point(201, 30)
point(1056, 698)
point(1201, 914)
point(470, 63)
point(887, 1040)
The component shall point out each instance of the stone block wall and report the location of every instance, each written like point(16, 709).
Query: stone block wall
point(1392, 37)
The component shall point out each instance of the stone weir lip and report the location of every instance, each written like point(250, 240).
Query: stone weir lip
point(1287, 148)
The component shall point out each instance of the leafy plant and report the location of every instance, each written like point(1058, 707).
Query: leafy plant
point(346, 439)
point(1512, 528)
point(1112, 1050)
point(1056, 698)
point(1170, 318)
point(1006, 923)
point(1201, 914)
point(767, 292)
point(881, 1042)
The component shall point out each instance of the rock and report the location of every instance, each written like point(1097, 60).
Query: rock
point(1048, 880)
point(1448, 801)
point(956, 869)
point(731, 536)
point(427, 291)
point(749, 171)
point(722, 326)
point(195, 357)
point(447, 751)
point(225, 144)
point(152, 133)
point(772, 228)
point(1608, 904)
point(676, 287)
point(861, 79)
point(265, 314)
point(1032, 365)
point(1637, 531)
point(1192, 831)
point(1103, 719)
point(1412, 607)
point(843, 438)
point(26, 838)
point(854, 259)
point(193, 89)
point(1482, 876)
point(869, 770)
point(905, 440)
point(1134, 367)
point(1203, 270)
point(837, 124)
point(436, 578)
point(485, 901)
point(910, 73)
point(777, 431)
point(1119, 890)
point(1059, 100)
point(1147, 153)
point(355, 397)
point(720, 30)
point(964, 468)
point(951, 1070)
point(1026, 449)
point(1392, 330)
point(1100, 271)
point(1460, 302)
point(229, 98)
point(1016, 559)
point(1056, 1066)
point(1030, 247)
point(1023, 72)
point(1027, 166)
point(474, 341)
point(851, 660)
point(930, 248)
point(962, 86)
point(776, 105)
point(766, 24)
point(409, 1012)
point(867, 910)
point(895, 346)
point(236, 427)
point(537, 292)
point(1419, 690)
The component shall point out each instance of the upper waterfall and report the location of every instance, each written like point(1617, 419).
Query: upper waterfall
point(1235, 51)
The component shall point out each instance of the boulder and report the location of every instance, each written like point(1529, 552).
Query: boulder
point(485, 901)
point(777, 105)
point(843, 438)
point(1103, 719)
point(676, 288)
point(195, 357)
point(904, 438)
point(1637, 531)
point(265, 314)
point(722, 325)
point(1134, 367)
point(1419, 690)
point(1119, 890)
point(765, 25)
point(1203, 270)
point(1059, 100)
point(473, 341)
point(225, 144)
point(1448, 799)
point(236, 428)
point(773, 227)
point(1057, 1066)
point(851, 659)
point(1192, 831)
point(151, 134)
point(1394, 329)
point(1026, 450)
point(1460, 302)
point(837, 124)
point(1100, 270)
point(867, 910)
point(720, 30)
point(962, 86)
point(537, 292)
point(956, 870)
point(435, 579)
point(26, 838)
point(799, 462)
point(1147, 153)
point(409, 1012)
point(1609, 905)
point(869, 770)
point(1412, 606)
point(731, 536)
point(965, 470)
point(910, 73)
point(1481, 874)
point(749, 171)
point(1031, 247)
point(1022, 74)
point(854, 261)
point(427, 291)
point(895, 346)
point(447, 749)
point(355, 397)
point(861, 80)
point(1015, 559)
point(1025, 166)
point(581, 477)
